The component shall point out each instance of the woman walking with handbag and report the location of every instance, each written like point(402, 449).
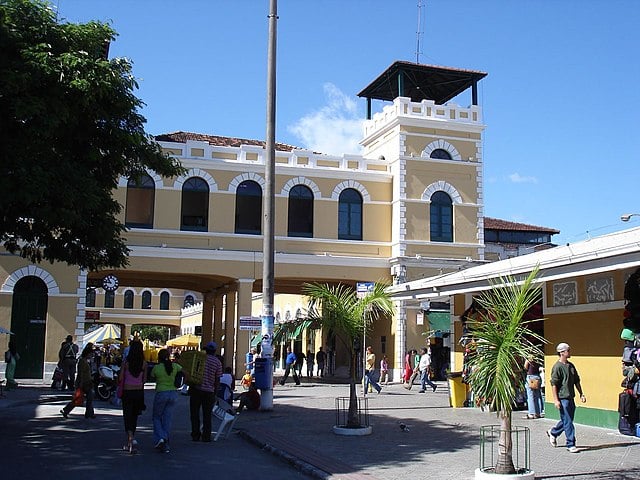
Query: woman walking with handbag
point(535, 405)
point(134, 376)
point(84, 385)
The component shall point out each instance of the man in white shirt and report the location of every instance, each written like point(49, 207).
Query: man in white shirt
point(425, 362)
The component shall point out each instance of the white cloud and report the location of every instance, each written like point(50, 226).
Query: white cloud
point(517, 178)
point(334, 129)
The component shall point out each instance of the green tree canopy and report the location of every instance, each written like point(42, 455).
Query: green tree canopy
point(70, 128)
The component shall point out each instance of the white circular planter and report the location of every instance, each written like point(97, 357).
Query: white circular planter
point(352, 432)
point(482, 475)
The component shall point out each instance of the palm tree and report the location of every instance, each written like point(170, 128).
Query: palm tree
point(338, 308)
point(502, 342)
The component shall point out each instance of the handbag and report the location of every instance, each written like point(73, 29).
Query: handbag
point(534, 383)
point(78, 397)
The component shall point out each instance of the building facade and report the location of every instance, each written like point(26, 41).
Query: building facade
point(411, 206)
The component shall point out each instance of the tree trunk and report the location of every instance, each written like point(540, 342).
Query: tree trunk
point(505, 446)
point(353, 419)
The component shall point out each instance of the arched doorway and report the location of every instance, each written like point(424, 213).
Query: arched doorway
point(28, 322)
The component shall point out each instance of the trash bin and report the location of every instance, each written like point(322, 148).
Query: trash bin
point(262, 373)
point(457, 390)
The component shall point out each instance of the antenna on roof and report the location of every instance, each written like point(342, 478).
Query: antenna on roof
point(419, 32)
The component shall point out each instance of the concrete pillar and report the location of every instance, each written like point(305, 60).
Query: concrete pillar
point(229, 325)
point(207, 318)
point(243, 337)
point(401, 341)
point(218, 302)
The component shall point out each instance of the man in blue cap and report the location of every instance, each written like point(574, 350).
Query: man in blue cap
point(203, 396)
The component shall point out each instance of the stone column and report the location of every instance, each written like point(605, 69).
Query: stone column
point(229, 327)
point(243, 337)
point(218, 302)
point(207, 318)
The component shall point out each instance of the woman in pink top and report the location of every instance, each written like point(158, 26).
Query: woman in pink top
point(134, 376)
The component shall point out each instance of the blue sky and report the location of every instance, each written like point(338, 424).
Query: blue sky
point(561, 101)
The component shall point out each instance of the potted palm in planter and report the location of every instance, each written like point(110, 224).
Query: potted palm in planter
point(338, 308)
point(502, 342)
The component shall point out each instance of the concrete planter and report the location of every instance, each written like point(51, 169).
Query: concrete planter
point(488, 475)
point(352, 432)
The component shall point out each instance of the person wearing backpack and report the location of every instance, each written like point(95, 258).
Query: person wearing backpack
point(67, 355)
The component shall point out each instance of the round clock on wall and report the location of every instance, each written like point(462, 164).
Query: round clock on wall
point(110, 283)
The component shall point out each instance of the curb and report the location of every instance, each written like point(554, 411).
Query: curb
point(292, 460)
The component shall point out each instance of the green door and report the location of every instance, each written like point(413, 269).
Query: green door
point(28, 323)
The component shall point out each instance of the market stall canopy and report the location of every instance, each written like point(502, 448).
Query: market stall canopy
point(102, 334)
point(187, 340)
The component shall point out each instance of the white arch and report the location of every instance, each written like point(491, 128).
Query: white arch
point(196, 172)
point(31, 270)
point(157, 179)
point(233, 185)
point(335, 195)
point(443, 145)
point(301, 181)
point(443, 186)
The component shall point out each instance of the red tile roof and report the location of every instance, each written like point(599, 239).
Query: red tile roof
point(497, 224)
point(218, 141)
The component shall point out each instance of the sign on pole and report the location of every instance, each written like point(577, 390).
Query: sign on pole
point(250, 323)
point(363, 288)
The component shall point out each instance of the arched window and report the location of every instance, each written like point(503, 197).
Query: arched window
point(350, 215)
point(109, 299)
point(300, 212)
point(128, 299)
point(146, 300)
point(440, 154)
point(249, 208)
point(164, 301)
point(189, 301)
point(195, 205)
point(90, 299)
point(441, 217)
point(141, 193)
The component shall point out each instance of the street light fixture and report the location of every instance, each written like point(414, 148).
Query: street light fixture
point(627, 216)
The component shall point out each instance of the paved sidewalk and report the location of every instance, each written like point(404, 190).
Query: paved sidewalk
point(441, 442)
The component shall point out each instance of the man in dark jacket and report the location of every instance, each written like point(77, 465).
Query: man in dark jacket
point(67, 356)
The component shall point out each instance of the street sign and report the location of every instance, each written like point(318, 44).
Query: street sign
point(363, 288)
point(250, 323)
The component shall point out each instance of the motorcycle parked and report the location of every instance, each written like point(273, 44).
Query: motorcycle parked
point(107, 381)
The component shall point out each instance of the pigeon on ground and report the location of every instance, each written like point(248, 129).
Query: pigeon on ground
point(404, 428)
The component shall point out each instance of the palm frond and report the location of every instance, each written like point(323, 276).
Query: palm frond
point(502, 341)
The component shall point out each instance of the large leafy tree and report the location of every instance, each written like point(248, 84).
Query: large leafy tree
point(338, 308)
point(502, 342)
point(70, 127)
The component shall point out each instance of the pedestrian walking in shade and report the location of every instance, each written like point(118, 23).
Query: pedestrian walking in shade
point(310, 357)
point(202, 397)
point(11, 357)
point(290, 367)
point(425, 363)
point(369, 378)
point(134, 376)
point(84, 381)
point(564, 381)
point(67, 356)
point(164, 402)
point(321, 358)
point(533, 385)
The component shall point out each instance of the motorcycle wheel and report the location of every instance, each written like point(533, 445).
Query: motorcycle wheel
point(103, 391)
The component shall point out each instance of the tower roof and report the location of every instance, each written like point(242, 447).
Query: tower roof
point(421, 82)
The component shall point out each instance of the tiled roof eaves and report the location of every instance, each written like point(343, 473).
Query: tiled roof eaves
point(497, 224)
point(219, 141)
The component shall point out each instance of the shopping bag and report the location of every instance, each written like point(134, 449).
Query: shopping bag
point(78, 397)
point(534, 383)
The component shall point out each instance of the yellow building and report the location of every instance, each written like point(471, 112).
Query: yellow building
point(582, 304)
point(411, 206)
